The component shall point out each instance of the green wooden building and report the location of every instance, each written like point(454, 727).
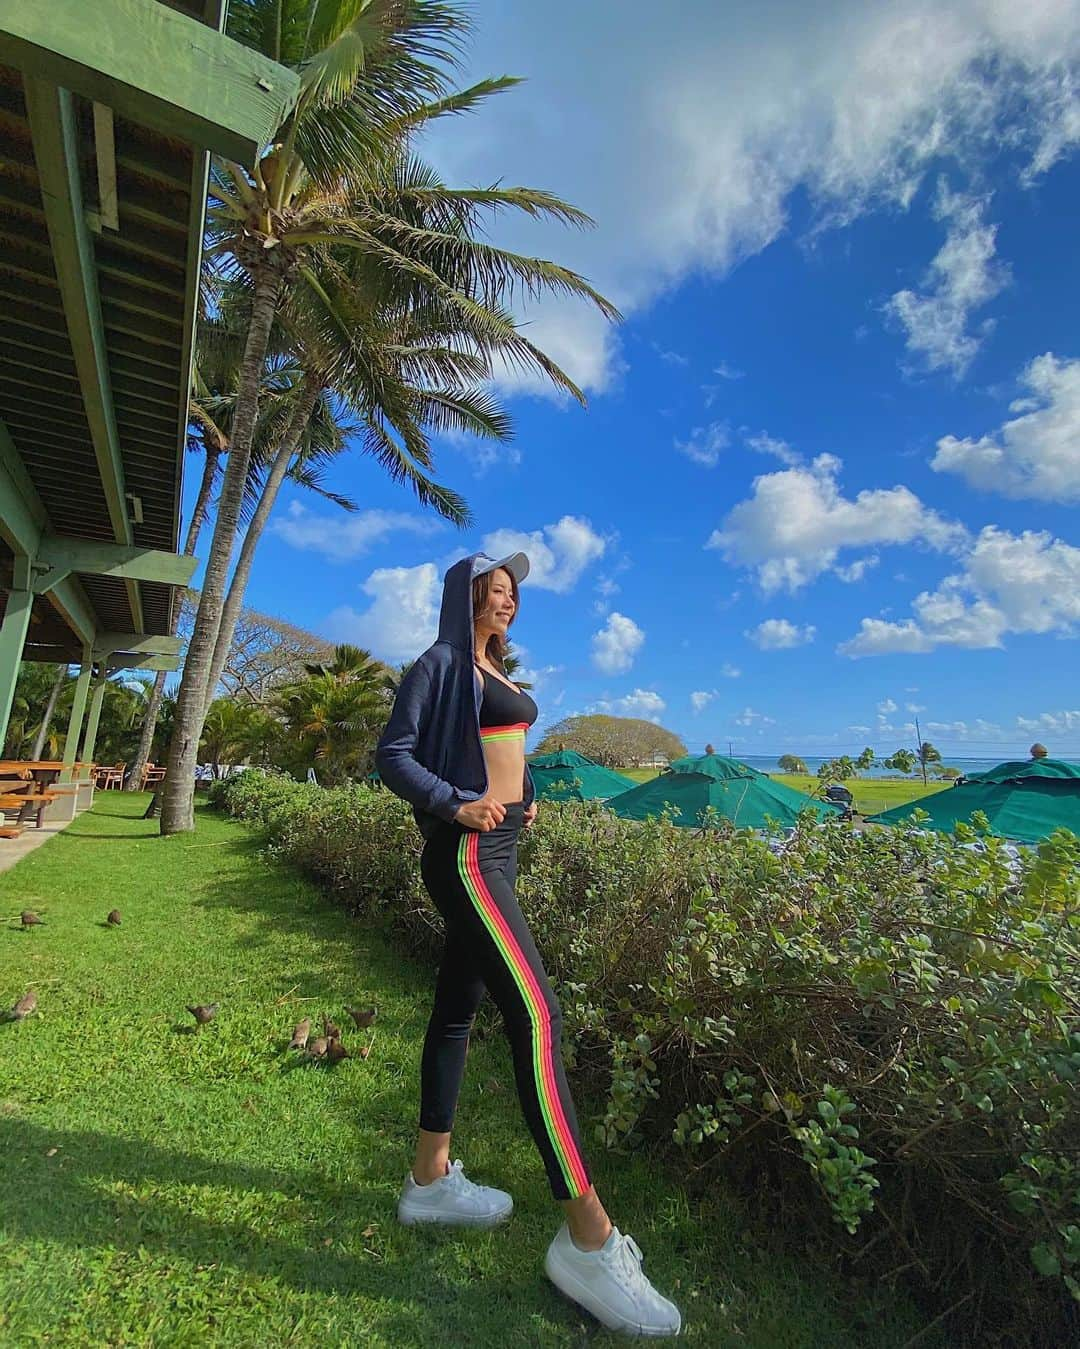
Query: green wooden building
point(109, 111)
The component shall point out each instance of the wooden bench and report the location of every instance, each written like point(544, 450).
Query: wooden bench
point(21, 798)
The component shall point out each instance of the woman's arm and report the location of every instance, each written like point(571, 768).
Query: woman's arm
point(395, 758)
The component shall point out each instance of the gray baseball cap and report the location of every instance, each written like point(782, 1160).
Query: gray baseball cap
point(517, 564)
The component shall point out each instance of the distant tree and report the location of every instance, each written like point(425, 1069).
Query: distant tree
point(791, 763)
point(615, 742)
point(709, 749)
point(928, 756)
point(949, 772)
point(837, 770)
point(865, 760)
point(903, 761)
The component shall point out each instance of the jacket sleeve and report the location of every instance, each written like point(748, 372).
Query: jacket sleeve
point(395, 753)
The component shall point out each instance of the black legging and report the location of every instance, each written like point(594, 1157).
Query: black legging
point(470, 876)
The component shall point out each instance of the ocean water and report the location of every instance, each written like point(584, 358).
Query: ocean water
point(766, 764)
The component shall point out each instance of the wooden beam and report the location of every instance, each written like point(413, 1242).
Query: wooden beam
point(24, 522)
point(65, 555)
point(22, 516)
point(51, 113)
point(154, 66)
point(139, 643)
point(105, 153)
point(14, 624)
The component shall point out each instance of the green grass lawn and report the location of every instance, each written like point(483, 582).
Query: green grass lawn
point(162, 1186)
point(871, 794)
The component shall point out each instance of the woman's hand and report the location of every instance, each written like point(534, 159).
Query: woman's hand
point(484, 814)
point(530, 815)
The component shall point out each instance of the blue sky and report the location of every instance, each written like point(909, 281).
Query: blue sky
point(830, 465)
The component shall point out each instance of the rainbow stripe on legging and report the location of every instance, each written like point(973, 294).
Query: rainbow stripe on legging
point(555, 1122)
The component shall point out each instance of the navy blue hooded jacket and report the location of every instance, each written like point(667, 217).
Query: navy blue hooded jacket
point(431, 753)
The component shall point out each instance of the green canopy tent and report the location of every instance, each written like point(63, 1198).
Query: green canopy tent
point(750, 800)
point(713, 766)
point(1024, 800)
point(567, 775)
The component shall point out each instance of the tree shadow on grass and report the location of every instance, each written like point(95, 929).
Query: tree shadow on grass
point(62, 1199)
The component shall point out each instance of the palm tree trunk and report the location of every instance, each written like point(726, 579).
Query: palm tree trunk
point(149, 726)
point(178, 812)
point(50, 708)
point(278, 469)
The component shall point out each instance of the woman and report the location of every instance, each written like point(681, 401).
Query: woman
point(454, 748)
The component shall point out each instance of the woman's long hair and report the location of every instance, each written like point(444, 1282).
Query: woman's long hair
point(496, 651)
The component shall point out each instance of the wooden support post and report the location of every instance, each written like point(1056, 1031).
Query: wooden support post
point(97, 697)
point(78, 707)
point(13, 630)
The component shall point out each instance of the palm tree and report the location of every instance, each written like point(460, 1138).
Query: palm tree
point(371, 74)
point(334, 714)
point(927, 755)
point(233, 731)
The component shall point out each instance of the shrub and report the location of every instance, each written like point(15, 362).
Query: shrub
point(888, 1021)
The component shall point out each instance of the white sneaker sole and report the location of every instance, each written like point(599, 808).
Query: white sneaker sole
point(413, 1216)
point(567, 1282)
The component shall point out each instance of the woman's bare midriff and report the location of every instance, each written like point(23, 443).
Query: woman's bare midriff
point(506, 772)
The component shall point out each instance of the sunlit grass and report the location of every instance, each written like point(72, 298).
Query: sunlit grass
point(166, 1186)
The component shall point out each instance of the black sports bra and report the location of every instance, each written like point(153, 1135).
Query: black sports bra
point(505, 713)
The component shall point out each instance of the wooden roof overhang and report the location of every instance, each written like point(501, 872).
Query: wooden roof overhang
point(108, 114)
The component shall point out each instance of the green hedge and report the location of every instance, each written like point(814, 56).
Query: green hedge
point(876, 1036)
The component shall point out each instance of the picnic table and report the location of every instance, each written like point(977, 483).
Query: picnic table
point(29, 786)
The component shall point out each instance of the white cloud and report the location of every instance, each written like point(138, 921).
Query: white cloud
point(857, 569)
point(616, 644)
point(775, 634)
point(794, 526)
point(670, 357)
point(402, 619)
point(701, 698)
point(963, 277)
point(718, 114)
point(779, 449)
point(1037, 454)
point(706, 443)
point(1051, 723)
point(886, 706)
point(748, 717)
point(913, 708)
point(342, 536)
point(1026, 582)
point(726, 371)
point(643, 703)
point(558, 553)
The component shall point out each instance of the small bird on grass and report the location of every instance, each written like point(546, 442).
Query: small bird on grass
point(362, 1019)
point(300, 1034)
point(331, 1029)
point(203, 1012)
point(30, 918)
point(317, 1048)
point(335, 1051)
point(26, 1004)
point(114, 918)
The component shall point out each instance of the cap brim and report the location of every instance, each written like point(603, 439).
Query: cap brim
point(517, 564)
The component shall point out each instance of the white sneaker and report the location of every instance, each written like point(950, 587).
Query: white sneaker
point(610, 1283)
point(453, 1199)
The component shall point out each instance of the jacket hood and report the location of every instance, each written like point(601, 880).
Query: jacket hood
point(456, 615)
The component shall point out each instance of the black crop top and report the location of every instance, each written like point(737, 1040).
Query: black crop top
point(505, 713)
